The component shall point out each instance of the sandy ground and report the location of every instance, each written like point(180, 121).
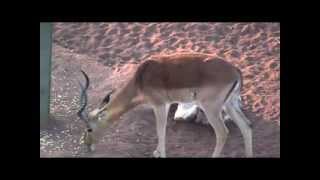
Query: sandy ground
point(110, 52)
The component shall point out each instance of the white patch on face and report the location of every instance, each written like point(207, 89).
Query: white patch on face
point(185, 110)
point(94, 113)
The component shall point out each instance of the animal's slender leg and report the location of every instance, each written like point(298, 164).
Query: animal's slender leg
point(212, 113)
point(224, 118)
point(242, 122)
point(238, 105)
point(161, 112)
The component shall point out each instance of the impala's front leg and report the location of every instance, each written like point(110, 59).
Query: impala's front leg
point(161, 112)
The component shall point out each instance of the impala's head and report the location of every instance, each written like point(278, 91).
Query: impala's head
point(88, 138)
point(91, 118)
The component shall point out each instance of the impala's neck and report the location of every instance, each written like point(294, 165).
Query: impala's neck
point(123, 101)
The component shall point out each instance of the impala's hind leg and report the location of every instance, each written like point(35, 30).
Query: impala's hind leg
point(161, 113)
point(237, 102)
point(212, 112)
point(242, 122)
point(224, 117)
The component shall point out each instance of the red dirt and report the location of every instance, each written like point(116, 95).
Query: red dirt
point(110, 52)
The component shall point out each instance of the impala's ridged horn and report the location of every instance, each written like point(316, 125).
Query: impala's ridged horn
point(88, 138)
point(84, 99)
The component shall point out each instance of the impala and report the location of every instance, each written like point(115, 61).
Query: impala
point(204, 80)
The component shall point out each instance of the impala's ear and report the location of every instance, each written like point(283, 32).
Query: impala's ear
point(106, 99)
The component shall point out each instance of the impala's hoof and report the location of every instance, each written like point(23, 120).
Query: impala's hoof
point(156, 154)
point(92, 147)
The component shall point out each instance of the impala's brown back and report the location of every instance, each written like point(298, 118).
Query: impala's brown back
point(185, 71)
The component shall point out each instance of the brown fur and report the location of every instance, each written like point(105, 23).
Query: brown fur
point(176, 77)
point(203, 79)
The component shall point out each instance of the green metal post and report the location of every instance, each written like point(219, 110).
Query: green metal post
point(45, 71)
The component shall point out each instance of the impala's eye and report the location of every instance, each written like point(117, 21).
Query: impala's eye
point(105, 101)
